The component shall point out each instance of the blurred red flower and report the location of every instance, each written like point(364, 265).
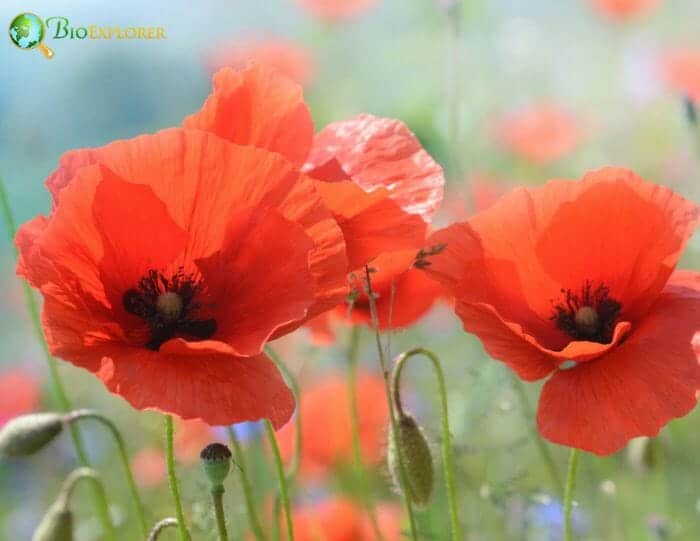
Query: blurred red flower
point(148, 466)
point(574, 280)
point(542, 133)
point(680, 68)
point(623, 10)
point(332, 10)
point(284, 55)
point(325, 418)
point(19, 394)
point(339, 519)
point(165, 278)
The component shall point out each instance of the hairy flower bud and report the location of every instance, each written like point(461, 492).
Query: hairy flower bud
point(57, 524)
point(27, 434)
point(417, 460)
point(216, 461)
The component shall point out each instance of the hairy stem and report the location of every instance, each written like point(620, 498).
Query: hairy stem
point(160, 526)
point(447, 459)
point(569, 494)
point(284, 494)
point(217, 497)
point(253, 519)
point(172, 478)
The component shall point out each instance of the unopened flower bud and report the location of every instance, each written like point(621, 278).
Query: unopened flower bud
point(57, 524)
point(416, 458)
point(27, 434)
point(216, 461)
point(644, 453)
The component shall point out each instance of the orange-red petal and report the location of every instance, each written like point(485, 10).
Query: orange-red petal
point(257, 106)
point(637, 387)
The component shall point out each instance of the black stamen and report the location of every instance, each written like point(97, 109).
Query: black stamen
point(593, 329)
point(142, 301)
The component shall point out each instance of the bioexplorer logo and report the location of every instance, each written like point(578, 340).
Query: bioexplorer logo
point(27, 31)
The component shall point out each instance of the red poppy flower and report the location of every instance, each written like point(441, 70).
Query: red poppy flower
point(623, 10)
point(542, 133)
point(286, 56)
point(325, 417)
point(680, 68)
point(339, 519)
point(332, 10)
point(165, 278)
point(19, 394)
point(573, 280)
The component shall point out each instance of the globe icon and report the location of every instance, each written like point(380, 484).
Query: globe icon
point(27, 32)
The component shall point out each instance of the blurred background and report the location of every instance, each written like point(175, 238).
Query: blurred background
point(501, 93)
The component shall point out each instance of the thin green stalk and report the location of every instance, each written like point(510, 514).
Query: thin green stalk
point(61, 395)
point(91, 414)
point(71, 482)
point(282, 479)
point(253, 520)
point(293, 468)
point(160, 526)
point(217, 497)
point(353, 349)
point(569, 493)
point(454, 86)
point(542, 446)
point(392, 414)
point(172, 477)
point(447, 459)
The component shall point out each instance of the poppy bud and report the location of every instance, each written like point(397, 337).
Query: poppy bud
point(216, 461)
point(644, 453)
point(690, 112)
point(27, 434)
point(416, 457)
point(57, 524)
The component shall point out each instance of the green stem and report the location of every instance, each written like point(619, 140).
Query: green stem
point(172, 477)
point(392, 414)
point(542, 446)
point(91, 414)
point(247, 488)
point(454, 90)
point(293, 468)
point(61, 395)
point(447, 459)
point(353, 349)
point(569, 493)
point(71, 482)
point(217, 497)
point(282, 479)
point(160, 526)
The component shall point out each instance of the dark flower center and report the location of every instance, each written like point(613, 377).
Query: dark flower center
point(588, 315)
point(169, 307)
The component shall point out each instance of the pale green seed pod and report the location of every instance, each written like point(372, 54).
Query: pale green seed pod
point(57, 524)
point(417, 461)
point(27, 434)
point(216, 462)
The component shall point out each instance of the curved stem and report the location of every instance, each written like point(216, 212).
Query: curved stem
point(293, 468)
point(447, 459)
point(245, 483)
point(71, 482)
point(542, 446)
point(353, 348)
point(91, 414)
point(392, 414)
point(217, 497)
point(160, 526)
point(282, 479)
point(569, 494)
point(172, 477)
point(61, 395)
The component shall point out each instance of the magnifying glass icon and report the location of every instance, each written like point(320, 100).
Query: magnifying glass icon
point(27, 32)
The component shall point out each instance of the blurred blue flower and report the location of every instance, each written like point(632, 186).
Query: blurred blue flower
point(546, 517)
point(245, 431)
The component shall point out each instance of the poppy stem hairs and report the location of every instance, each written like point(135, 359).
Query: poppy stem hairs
point(569, 493)
point(447, 459)
point(352, 357)
point(284, 494)
point(172, 478)
point(59, 389)
point(253, 520)
point(529, 416)
point(123, 455)
point(160, 526)
point(392, 414)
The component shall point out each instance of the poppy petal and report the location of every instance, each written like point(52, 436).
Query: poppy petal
point(257, 106)
point(261, 278)
point(382, 152)
point(638, 387)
